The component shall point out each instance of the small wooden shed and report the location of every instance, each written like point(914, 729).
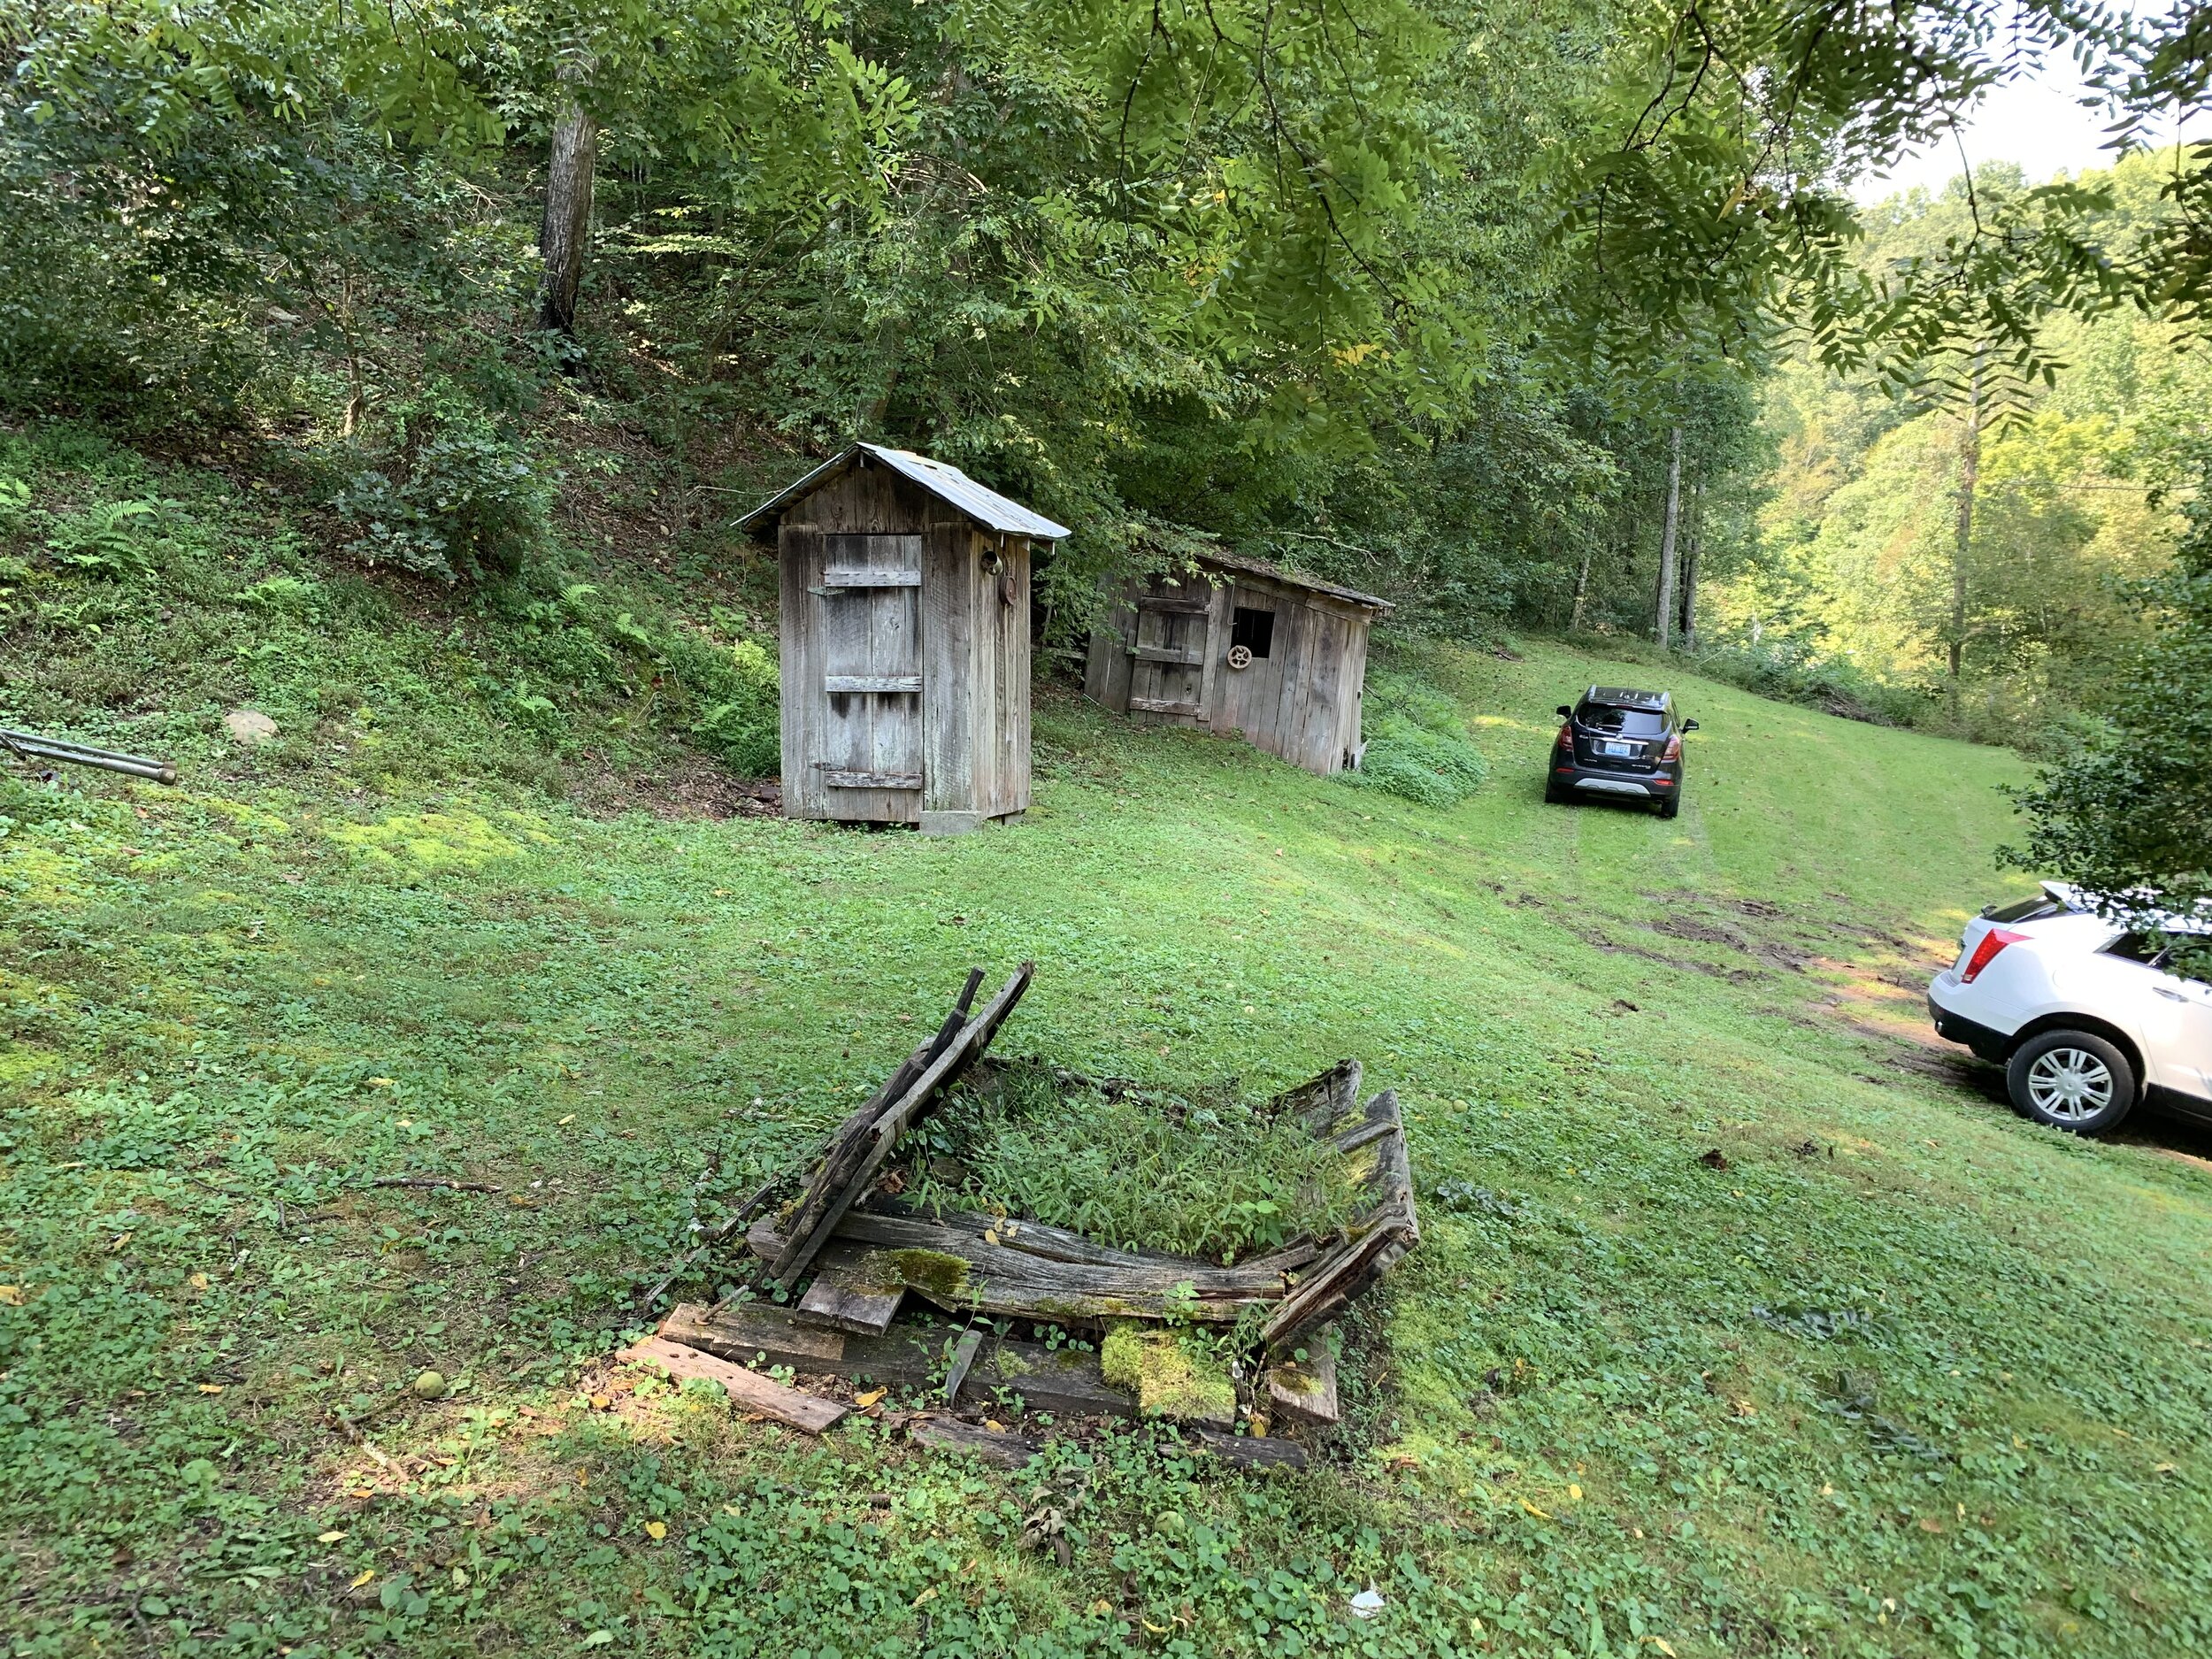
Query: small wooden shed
point(1241, 648)
point(905, 641)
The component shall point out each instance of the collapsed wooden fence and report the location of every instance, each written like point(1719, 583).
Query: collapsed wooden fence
point(863, 1257)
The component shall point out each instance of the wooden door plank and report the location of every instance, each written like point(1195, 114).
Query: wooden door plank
point(872, 685)
point(800, 644)
point(750, 1389)
point(948, 665)
point(848, 576)
point(1213, 644)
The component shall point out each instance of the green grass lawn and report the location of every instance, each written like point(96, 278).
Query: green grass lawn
point(1905, 1376)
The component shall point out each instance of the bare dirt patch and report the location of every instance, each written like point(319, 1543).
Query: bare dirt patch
point(701, 791)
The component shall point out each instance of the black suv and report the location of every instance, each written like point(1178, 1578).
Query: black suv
point(1626, 744)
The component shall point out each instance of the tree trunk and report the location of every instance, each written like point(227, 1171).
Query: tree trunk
point(1970, 477)
point(565, 231)
point(1667, 539)
point(1582, 587)
point(1695, 551)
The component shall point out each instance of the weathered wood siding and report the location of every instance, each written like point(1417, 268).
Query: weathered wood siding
point(906, 695)
point(1161, 657)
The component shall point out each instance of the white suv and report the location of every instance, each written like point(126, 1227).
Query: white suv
point(2084, 1016)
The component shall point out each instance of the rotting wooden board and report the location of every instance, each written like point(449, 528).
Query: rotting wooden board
point(844, 1305)
point(1372, 1248)
point(1303, 1392)
point(953, 1263)
point(964, 1355)
point(1247, 1451)
point(867, 1141)
point(969, 1264)
point(1065, 1381)
point(750, 1389)
point(1003, 1447)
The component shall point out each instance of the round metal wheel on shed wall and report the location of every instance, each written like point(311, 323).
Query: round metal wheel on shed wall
point(2074, 1080)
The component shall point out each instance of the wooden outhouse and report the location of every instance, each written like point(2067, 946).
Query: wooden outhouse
point(1241, 648)
point(905, 641)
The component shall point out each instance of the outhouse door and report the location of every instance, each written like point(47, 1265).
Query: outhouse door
point(871, 590)
point(1173, 639)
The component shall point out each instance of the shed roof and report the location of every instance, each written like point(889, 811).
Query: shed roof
point(948, 483)
point(1277, 574)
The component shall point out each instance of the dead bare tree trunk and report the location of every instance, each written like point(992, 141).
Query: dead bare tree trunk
point(1969, 477)
point(1582, 587)
point(1667, 539)
point(564, 233)
point(1691, 555)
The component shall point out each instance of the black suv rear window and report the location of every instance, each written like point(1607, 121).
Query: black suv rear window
point(1627, 722)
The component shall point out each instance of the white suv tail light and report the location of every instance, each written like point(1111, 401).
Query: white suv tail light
point(1985, 952)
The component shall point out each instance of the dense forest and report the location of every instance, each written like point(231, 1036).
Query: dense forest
point(1554, 317)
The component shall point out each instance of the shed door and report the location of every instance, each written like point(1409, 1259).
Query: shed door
point(872, 666)
point(1170, 649)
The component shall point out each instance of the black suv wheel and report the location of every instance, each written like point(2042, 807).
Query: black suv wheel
point(2074, 1080)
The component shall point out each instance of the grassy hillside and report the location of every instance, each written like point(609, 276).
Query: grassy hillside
point(1892, 1373)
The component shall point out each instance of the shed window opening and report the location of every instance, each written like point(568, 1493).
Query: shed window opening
point(1255, 630)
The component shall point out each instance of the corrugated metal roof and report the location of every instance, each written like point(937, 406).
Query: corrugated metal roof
point(948, 483)
point(1227, 560)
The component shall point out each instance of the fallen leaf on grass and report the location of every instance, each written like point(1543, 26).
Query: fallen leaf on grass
point(367, 1573)
point(925, 1595)
point(1928, 1524)
point(656, 1529)
point(864, 1401)
point(211, 1387)
point(328, 1538)
point(11, 1296)
point(198, 1281)
point(1532, 1510)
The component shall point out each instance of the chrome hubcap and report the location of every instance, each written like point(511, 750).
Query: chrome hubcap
point(2070, 1085)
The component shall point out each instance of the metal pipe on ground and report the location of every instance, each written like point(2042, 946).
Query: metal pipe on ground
point(33, 746)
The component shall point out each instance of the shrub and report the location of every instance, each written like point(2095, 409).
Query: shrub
point(1417, 745)
point(1788, 671)
point(454, 498)
point(743, 723)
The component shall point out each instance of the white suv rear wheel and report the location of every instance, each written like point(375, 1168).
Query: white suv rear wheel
point(2074, 1080)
